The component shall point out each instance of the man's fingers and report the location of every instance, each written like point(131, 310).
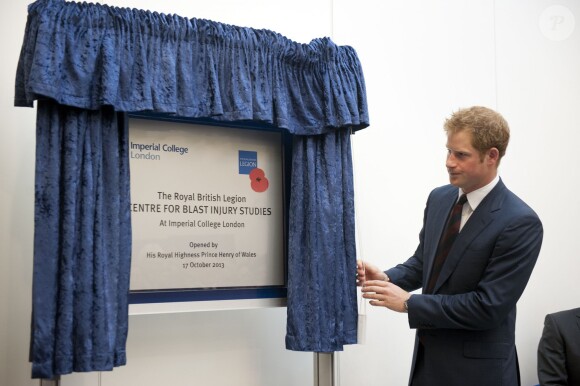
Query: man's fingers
point(372, 292)
point(375, 283)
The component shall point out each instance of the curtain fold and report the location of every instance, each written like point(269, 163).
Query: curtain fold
point(322, 303)
point(90, 55)
point(82, 241)
point(85, 64)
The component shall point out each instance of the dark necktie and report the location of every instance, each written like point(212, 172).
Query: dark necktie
point(447, 239)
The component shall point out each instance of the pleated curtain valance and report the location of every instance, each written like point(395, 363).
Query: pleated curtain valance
point(86, 65)
point(89, 55)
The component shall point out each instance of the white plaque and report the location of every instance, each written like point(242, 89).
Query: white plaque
point(207, 206)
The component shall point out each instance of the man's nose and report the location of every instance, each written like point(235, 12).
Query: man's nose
point(450, 161)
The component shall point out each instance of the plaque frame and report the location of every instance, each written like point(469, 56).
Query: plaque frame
point(226, 294)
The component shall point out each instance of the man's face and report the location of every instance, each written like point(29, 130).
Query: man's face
point(467, 170)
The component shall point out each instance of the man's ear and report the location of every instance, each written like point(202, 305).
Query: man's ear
point(493, 154)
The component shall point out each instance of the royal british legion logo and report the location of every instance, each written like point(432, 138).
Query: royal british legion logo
point(248, 160)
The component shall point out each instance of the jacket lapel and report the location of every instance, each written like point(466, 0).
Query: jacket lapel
point(478, 221)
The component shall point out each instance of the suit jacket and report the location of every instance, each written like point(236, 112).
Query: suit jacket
point(559, 349)
point(467, 325)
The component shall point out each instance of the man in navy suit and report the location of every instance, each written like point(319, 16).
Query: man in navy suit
point(466, 314)
point(559, 349)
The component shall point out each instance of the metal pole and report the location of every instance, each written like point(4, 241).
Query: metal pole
point(50, 382)
point(326, 372)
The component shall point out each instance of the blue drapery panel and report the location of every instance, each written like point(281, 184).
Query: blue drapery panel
point(322, 304)
point(92, 60)
point(82, 241)
point(88, 56)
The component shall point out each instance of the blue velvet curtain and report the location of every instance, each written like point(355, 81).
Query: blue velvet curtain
point(82, 241)
point(84, 64)
point(322, 304)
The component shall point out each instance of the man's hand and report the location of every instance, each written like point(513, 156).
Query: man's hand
point(385, 294)
point(367, 271)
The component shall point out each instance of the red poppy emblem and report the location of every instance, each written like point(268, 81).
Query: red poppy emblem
point(259, 181)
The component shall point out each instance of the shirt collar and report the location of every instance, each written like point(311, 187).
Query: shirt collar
point(476, 197)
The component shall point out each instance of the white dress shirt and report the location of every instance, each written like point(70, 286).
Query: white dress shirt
point(474, 199)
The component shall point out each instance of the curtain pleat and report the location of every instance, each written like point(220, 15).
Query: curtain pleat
point(82, 241)
point(84, 64)
point(91, 55)
point(322, 304)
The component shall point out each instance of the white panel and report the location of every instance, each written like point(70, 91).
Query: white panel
point(242, 348)
point(81, 379)
point(222, 305)
point(539, 93)
point(422, 60)
point(17, 151)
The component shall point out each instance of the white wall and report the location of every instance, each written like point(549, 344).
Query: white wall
point(422, 60)
point(17, 151)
